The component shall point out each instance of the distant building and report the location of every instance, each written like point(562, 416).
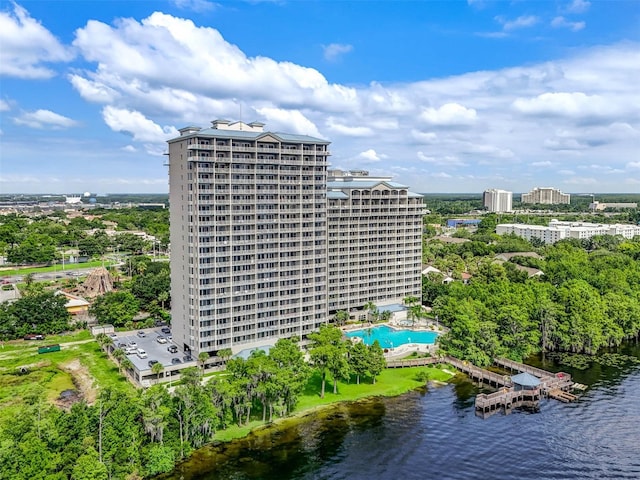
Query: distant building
point(495, 200)
point(597, 206)
point(560, 230)
point(546, 196)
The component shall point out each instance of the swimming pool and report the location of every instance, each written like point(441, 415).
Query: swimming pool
point(391, 338)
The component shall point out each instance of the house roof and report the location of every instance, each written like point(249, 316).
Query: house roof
point(526, 380)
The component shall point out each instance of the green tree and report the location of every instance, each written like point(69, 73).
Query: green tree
point(377, 362)
point(327, 351)
point(115, 308)
point(89, 467)
point(341, 316)
point(359, 360)
point(292, 373)
point(157, 369)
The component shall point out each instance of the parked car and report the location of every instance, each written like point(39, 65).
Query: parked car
point(141, 334)
point(175, 361)
point(169, 338)
point(152, 362)
point(130, 350)
point(113, 335)
point(141, 353)
point(133, 344)
point(34, 336)
point(187, 358)
point(172, 349)
point(122, 345)
point(161, 339)
point(166, 330)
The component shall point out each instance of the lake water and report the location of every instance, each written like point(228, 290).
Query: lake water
point(435, 434)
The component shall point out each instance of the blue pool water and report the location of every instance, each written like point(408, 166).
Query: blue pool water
point(391, 338)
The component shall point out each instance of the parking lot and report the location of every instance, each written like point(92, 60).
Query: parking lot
point(172, 362)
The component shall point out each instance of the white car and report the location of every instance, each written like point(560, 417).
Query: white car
point(141, 353)
point(161, 339)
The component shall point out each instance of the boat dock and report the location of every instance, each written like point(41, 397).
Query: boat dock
point(522, 390)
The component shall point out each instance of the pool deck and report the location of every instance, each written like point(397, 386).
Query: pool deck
point(408, 348)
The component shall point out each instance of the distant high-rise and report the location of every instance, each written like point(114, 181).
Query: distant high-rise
point(546, 196)
point(495, 200)
point(264, 247)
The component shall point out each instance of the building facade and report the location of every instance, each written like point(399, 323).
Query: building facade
point(560, 230)
point(251, 216)
point(546, 196)
point(375, 240)
point(496, 200)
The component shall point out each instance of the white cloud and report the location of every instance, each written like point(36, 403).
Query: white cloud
point(44, 119)
point(450, 114)
point(578, 109)
point(27, 45)
point(291, 121)
point(633, 165)
point(424, 137)
point(523, 21)
point(137, 125)
point(545, 163)
point(334, 51)
point(347, 130)
point(129, 148)
point(578, 6)
point(164, 59)
point(561, 22)
point(567, 104)
point(93, 91)
point(4, 106)
point(441, 175)
point(371, 155)
point(586, 181)
point(195, 5)
point(566, 172)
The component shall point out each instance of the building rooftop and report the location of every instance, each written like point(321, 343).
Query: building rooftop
point(249, 135)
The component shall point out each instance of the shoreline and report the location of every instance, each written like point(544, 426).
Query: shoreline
point(259, 429)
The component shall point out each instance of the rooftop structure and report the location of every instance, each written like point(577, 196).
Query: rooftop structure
point(546, 196)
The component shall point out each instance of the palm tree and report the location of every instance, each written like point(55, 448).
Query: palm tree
point(202, 358)
point(341, 317)
point(119, 355)
point(126, 364)
point(414, 309)
point(370, 307)
point(163, 297)
point(157, 369)
point(225, 354)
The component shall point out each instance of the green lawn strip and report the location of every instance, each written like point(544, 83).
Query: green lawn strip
point(54, 268)
point(391, 382)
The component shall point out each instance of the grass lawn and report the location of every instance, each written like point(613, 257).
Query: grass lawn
point(391, 382)
point(52, 373)
point(54, 268)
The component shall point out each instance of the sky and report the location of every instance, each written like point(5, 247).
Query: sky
point(444, 96)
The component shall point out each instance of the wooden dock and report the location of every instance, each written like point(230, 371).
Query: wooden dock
point(413, 362)
point(552, 385)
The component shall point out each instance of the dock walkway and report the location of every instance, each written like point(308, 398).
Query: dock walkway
point(508, 396)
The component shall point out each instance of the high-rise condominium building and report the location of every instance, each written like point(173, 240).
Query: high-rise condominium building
point(375, 240)
point(496, 200)
point(248, 215)
point(250, 222)
point(546, 196)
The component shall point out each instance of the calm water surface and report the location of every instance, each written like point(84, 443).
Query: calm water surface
point(390, 337)
point(435, 434)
